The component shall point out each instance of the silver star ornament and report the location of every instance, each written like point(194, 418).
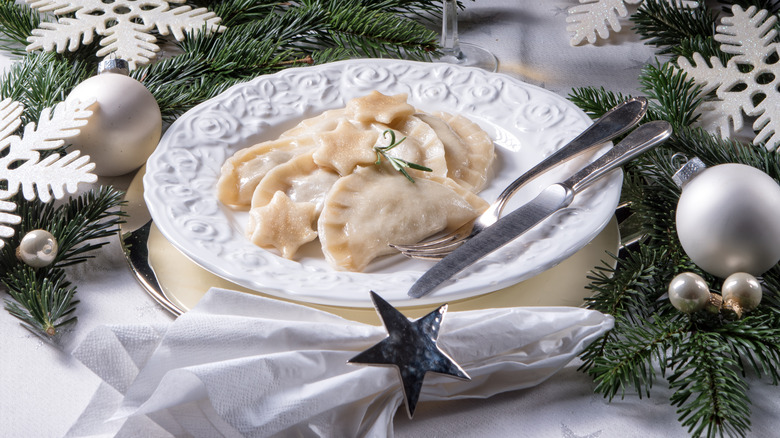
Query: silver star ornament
point(411, 348)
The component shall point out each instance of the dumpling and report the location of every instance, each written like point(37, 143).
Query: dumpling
point(377, 107)
point(352, 145)
point(372, 207)
point(422, 146)
point(468, 149)
point(346, 147)
point(241, 173)
point(283, 224)
point(327, 121)
point(300, 179)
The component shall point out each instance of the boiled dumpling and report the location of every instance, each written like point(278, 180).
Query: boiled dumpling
point(300, 179)
point(283, 224)
point(469, 150)
point(241, 173)
point(327, 121)
point(422, 146)
point(372, 207)
point(377, 107)
point(346, 147)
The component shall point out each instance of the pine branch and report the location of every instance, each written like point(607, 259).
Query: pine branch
point(376, 33)
point(236, 12)
point(629, 359)
point(673, 97)
point(16, 24)
point(707, 47)
point(627, 289)
point(755, 340)
point(75, 224)
point(40, 80)
point(44, 303)
point(711, 396)
point(430, 10)
point(304, 33)
point(596, 101)
point(664, 25)
point(42, 298)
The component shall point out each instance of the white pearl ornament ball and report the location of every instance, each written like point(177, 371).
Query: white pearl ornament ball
point(38, 248)
point(741, 292)
point(688, 292)
point(125, 126)
point(728, 220)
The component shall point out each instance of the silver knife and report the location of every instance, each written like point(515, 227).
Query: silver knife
point(550, 200)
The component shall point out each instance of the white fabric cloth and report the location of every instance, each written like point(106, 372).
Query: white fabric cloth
point(243, 365)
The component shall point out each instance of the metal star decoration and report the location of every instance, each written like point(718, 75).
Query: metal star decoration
point(411, 348)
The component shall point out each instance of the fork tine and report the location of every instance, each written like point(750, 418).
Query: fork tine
point(449, 245)
point(428, 244)
point(434, 252)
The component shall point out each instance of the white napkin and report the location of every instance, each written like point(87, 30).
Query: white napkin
point(242, 365)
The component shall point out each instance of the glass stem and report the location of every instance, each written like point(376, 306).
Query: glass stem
point(449, 30)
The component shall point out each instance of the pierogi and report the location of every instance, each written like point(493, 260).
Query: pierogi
point(324, 179)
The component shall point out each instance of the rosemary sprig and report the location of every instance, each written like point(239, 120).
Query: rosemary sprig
point(397, 163)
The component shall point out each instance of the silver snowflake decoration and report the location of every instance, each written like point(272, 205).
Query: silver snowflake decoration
point(593, 19)
point(753, 91)
point(124, 26)
point(21, 166)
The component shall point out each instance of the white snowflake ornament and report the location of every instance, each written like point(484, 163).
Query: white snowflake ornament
point(21, 166)
point(593, 19)
point(124, 26)
point(749, 35)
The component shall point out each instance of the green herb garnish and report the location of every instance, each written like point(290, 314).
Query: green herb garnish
point(397, 163)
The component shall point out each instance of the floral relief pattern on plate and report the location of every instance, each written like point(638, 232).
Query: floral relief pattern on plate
point(527, 123)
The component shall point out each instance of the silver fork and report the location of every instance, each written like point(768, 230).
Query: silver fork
point(613, 123)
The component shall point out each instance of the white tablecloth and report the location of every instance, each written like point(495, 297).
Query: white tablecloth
point(43, 389)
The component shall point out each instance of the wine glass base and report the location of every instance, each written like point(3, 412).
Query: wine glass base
point(471, 56)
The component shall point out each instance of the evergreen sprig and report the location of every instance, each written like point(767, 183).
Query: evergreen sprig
point(44, 303)
point(664, 24)
point(278, 35)
point(704, 357)
point(42, 298)
point(19, 20)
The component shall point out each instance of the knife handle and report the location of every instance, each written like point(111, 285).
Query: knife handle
point(641, 139)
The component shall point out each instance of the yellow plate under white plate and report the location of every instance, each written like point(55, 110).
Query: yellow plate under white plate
point(183, 283)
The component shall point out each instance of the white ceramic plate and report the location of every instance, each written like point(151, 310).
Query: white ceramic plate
point(527, 123)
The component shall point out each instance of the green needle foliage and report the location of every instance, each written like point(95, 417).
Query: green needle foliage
point(42, 298)
point(262, 37)
point(704, 357)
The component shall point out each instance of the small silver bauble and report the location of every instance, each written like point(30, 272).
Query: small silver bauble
point(38, 248)
point(741, 292)
point(728, 219)
point(125, 125)
point(688, 292)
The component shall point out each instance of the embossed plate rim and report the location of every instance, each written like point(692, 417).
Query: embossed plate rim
point(526, 122)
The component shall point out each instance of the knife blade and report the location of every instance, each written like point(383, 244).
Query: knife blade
point(550, 200)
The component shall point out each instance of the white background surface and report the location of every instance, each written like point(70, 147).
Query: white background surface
point(43, 390)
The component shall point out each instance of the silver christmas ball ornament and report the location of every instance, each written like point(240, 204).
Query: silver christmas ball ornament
point(38, 248)
point(688, 292)
point(728, 218)
point(741, 292)
point(125, 125)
